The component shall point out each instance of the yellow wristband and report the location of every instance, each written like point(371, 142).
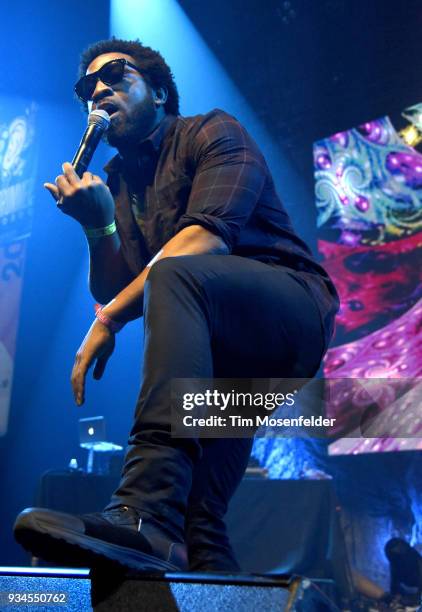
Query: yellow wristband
point(99, 232)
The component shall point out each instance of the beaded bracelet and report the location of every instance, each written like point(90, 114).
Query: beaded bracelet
point(113, 326)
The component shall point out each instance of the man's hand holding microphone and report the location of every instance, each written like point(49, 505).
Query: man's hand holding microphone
point(85, 197)
point(81, 194)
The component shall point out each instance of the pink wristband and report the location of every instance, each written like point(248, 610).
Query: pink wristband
point(113, 326)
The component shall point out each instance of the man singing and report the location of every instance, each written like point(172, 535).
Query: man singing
point(189, 233)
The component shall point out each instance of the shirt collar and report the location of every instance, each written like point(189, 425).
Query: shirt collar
point(152, 143)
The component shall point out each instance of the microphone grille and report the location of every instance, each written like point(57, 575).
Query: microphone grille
point(100, 118)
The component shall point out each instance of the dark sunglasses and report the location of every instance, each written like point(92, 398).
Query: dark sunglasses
point(110, 74)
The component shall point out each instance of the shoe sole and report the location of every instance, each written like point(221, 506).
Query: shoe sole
point(79, 550)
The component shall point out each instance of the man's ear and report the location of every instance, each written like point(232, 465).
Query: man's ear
point(160, 96)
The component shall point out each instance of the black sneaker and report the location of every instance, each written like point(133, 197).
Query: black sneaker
point(89, 540)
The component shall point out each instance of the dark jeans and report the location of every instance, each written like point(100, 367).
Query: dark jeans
point(209, 316)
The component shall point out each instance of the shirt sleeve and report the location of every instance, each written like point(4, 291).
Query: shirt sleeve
point(230, 173)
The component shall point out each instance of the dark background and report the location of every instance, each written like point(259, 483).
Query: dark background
point(307, 68)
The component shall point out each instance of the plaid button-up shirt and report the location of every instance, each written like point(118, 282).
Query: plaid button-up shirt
point(206, 170)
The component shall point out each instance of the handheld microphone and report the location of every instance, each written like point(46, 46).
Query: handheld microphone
point(98, 122)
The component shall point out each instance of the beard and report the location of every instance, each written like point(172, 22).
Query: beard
point(128, 129)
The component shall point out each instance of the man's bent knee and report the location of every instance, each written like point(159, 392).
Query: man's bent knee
point(186, 267)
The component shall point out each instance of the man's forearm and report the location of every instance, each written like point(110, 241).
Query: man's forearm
point(193, 240)
point(89, 201)
point(108, 271)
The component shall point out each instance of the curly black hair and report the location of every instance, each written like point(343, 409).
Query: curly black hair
point(151, 63)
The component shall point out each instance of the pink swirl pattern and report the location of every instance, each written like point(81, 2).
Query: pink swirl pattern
point(370, 217)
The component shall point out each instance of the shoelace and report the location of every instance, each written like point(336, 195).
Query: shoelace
point(119, 511)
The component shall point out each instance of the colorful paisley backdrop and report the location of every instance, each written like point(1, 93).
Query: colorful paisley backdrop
point(369, 195)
